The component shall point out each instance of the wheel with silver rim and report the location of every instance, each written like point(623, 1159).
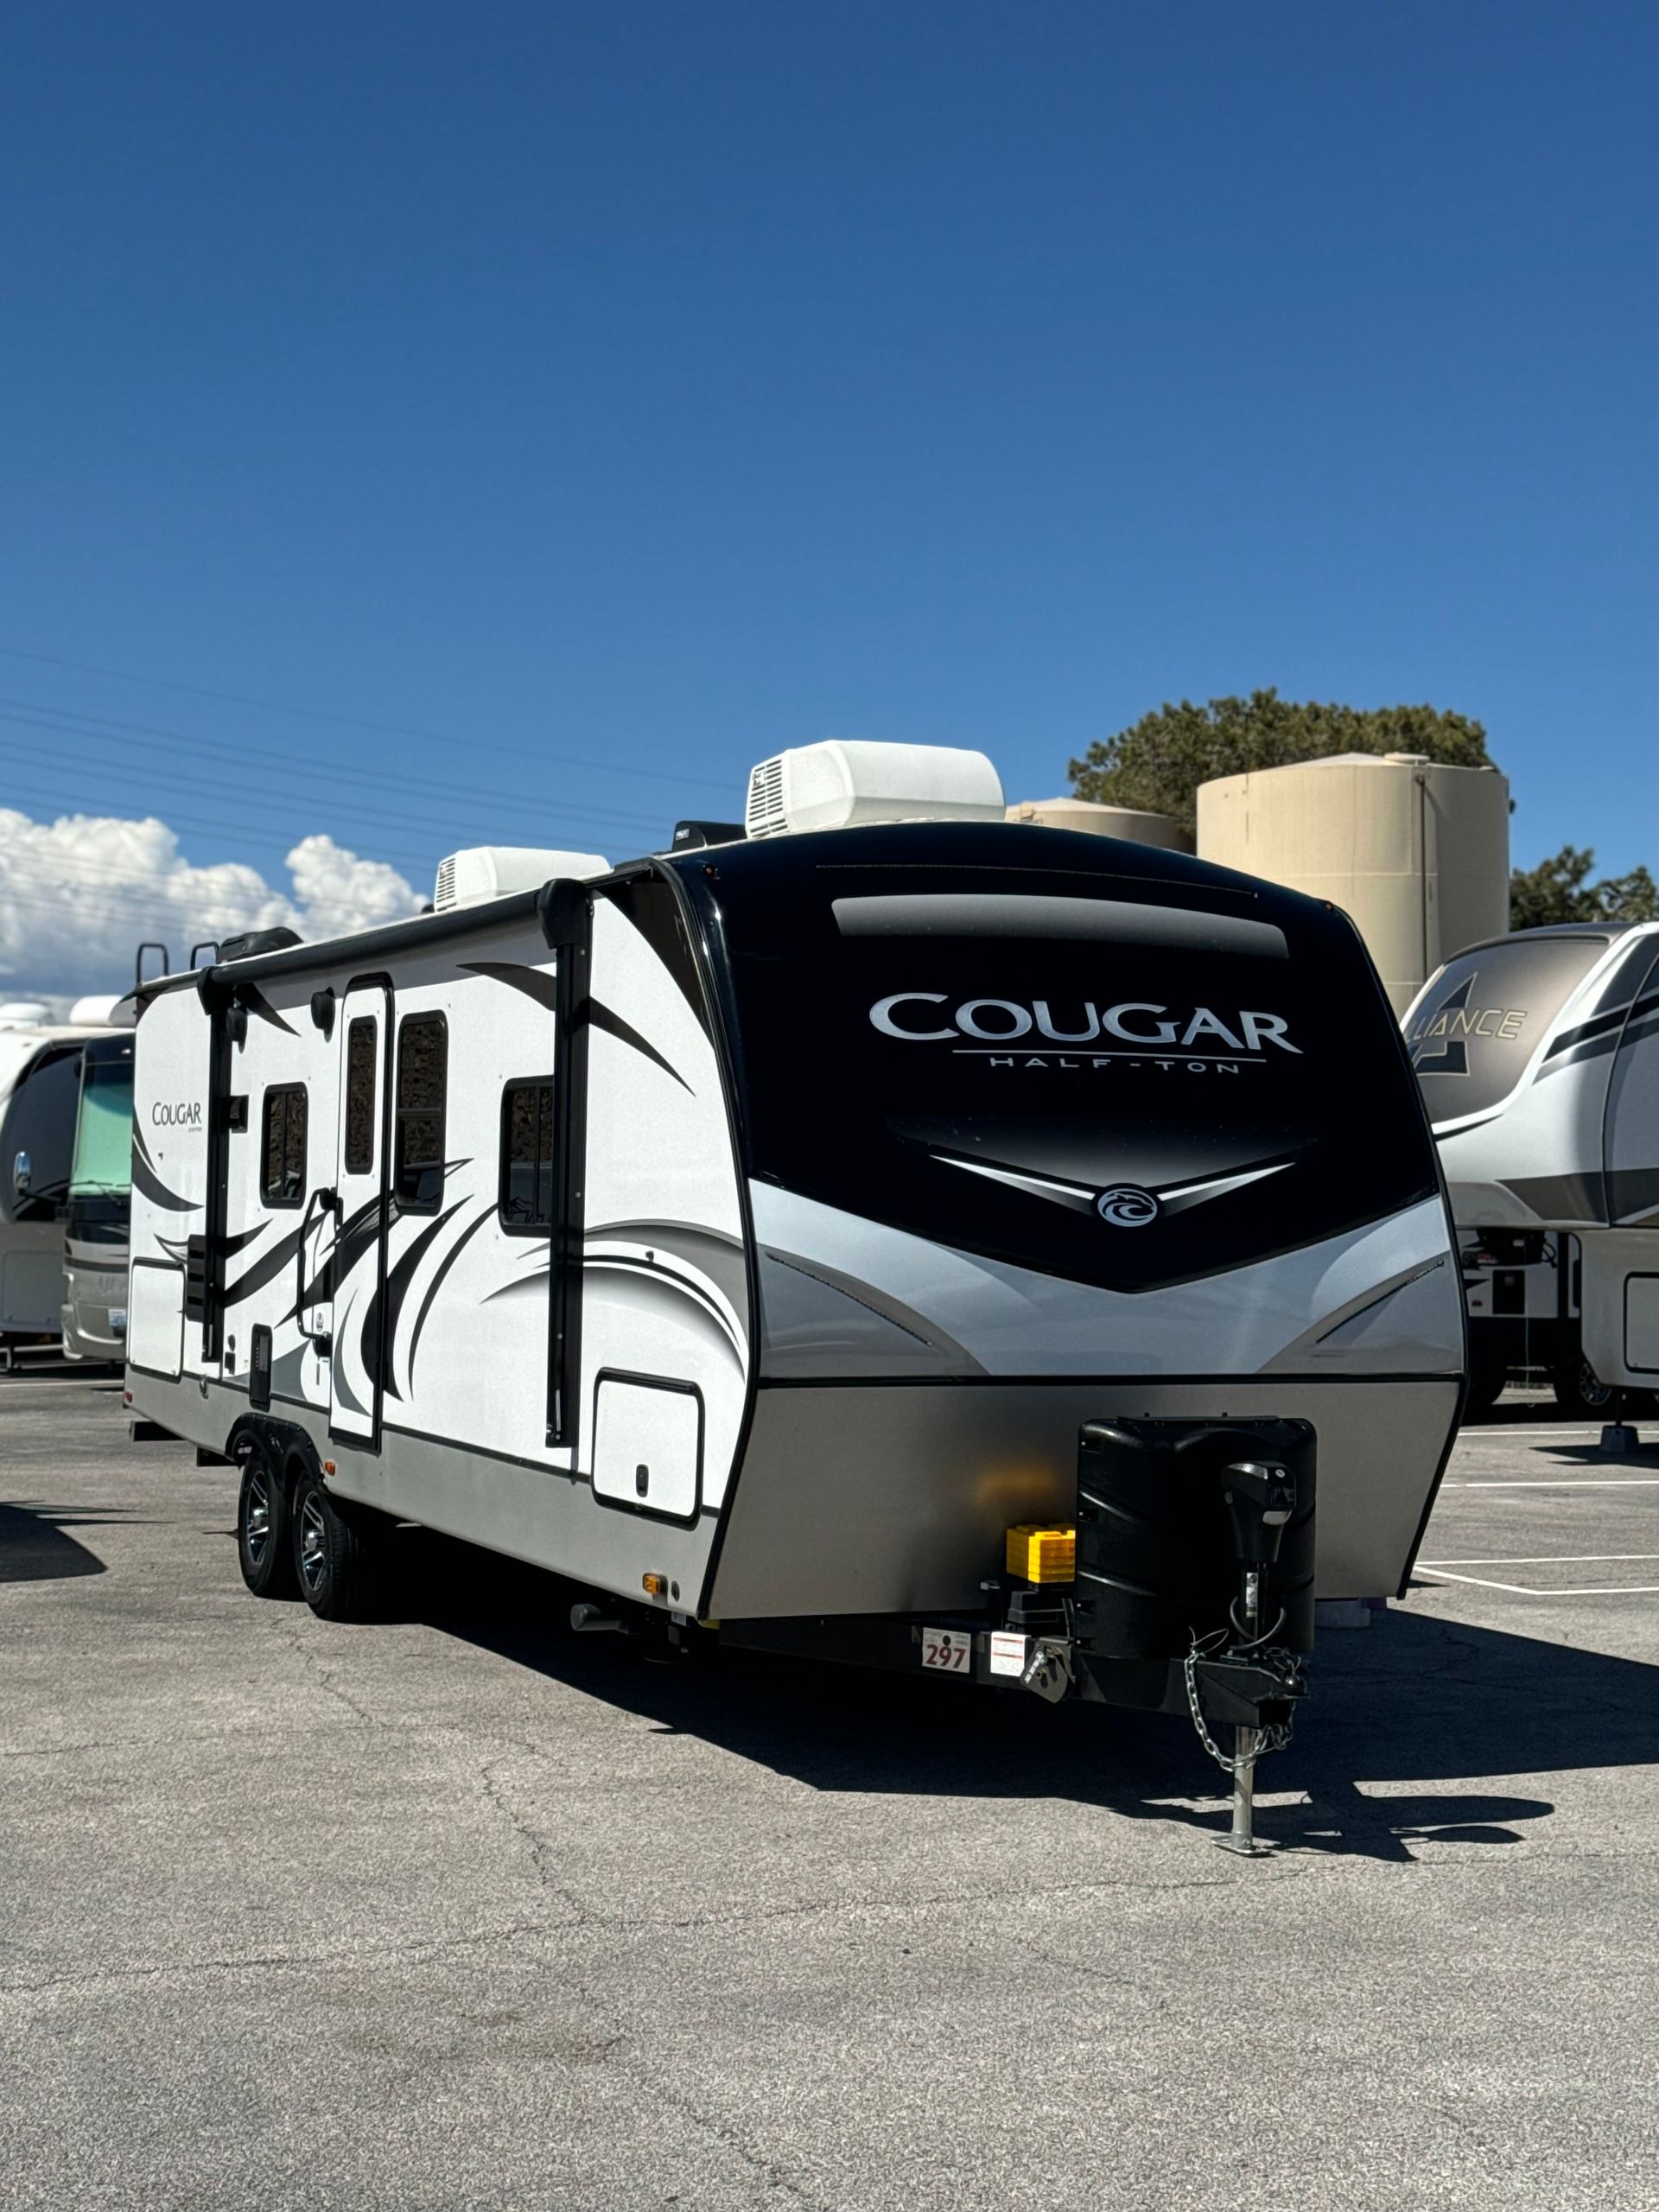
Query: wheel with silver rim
point(313, 1538)
point(331, 1559)
point(1580, 1390)
point(262, 1532)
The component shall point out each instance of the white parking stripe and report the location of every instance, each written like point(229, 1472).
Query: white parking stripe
point(1565, 1481)
point(1566, 1559)
point(1520, 1589)
point(1568, 1430)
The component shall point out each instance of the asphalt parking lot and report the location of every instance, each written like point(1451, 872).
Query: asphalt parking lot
point(457, 1910)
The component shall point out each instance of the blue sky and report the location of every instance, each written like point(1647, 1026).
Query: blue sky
point(619, 392)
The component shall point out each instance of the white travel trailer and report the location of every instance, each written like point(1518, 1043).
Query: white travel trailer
point(39, 1082)
point(751, 1233)
point(1538, 1056)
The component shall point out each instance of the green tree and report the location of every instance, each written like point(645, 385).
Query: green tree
point(1160, 761)
point(1559, 890)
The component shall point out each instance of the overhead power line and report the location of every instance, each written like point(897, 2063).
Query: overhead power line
point(68, 721)
point(360, 721)
point(265, 798)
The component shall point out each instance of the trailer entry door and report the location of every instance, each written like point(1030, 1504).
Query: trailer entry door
point(357, 1273)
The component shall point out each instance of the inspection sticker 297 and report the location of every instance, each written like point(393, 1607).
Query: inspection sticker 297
point(949, 1651)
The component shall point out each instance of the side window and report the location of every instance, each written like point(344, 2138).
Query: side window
point(360, 1097)
point(527, 1157)
point(282, 1155)
point(422, 1081)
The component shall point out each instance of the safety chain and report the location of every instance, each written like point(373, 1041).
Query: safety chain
point(1266, 1739)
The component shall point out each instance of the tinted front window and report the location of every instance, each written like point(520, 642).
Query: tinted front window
point(1485, 1015)
point(1098, 1078)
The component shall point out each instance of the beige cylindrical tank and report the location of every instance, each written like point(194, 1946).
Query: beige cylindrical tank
point(1416, 852)
point(1129, 822)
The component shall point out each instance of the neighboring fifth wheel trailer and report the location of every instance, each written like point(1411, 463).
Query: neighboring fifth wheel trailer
point(1538, 1057)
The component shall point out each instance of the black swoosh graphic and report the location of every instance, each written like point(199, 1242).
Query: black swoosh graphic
point(600, 1017)
point(1586, 1048)
point(266, 1268)
point(535, 982)
point(341, 1389)
point(662, 1278)
point(397, 1284)
point(354, 1238)
point(1610, 1018)
point(254, 999)
point(145, 1178)
point(357, 1235)
point(442, 1269)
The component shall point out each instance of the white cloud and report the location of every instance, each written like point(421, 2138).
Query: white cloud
point(78, 895)
point(337, 891)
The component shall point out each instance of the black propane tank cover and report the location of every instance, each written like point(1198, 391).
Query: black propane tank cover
point(1155, 1557)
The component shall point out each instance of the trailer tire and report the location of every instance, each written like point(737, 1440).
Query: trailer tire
point(265, 1547)
point(332, 1551)
point(1579, 1390)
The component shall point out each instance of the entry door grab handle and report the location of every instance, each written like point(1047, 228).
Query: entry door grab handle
point(323, 1201)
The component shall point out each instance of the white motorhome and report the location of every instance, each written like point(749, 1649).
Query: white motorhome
point(750, 1232)
point(1538, 1057)
point(40, 1085)
point(98, 1204)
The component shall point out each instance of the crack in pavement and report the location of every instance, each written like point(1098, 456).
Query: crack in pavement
point(539, 1847)
point(619, 2035)
point(293, 1633)
point(434, 1946)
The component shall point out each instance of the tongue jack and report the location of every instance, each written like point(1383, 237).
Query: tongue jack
point(1260, 1497)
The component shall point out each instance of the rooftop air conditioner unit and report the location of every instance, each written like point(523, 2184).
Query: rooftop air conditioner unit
point(845, 782)
point(484, 872)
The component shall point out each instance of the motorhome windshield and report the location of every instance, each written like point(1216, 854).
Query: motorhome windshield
point(1475, 1031)
point(1128, 1083)
point(38, 1127)
point(103, 1161)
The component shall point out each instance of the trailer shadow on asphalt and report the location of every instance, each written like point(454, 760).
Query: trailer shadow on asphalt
point(36, 1545)
point(1415, 1700)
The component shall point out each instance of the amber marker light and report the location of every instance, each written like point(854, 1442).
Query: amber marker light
point(1040, 1555)
point(654, 1585)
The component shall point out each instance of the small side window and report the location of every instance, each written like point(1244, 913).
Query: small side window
point(282, 1153)
point(528, 1155)
point(422, 1085)
point(360, 1097)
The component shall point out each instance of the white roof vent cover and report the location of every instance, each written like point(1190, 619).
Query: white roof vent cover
point(484, 871)
point(844, 782)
